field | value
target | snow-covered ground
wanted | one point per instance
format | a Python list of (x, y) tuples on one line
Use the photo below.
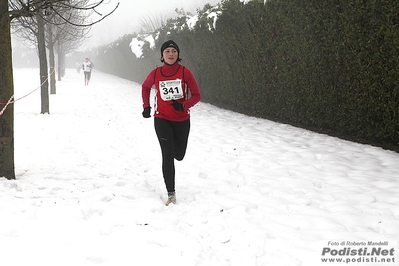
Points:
[(89, 189)]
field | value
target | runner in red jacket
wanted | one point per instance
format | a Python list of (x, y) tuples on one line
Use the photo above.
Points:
[(176, 91)]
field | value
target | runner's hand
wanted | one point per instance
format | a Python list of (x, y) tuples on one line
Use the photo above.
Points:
[(177, 105), (146, 112)]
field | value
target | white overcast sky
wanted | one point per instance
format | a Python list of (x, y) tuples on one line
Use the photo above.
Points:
[(126, 19)]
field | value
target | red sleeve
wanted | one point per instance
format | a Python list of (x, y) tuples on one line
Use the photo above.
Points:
[(193, 87), (146, 88)]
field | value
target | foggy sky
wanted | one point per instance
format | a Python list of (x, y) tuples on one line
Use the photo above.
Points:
[(126, 19)]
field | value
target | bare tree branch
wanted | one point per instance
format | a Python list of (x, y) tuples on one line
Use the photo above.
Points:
[(67, 20), (29, 8)]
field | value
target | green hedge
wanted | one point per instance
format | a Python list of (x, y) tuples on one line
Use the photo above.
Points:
[(331, 66)]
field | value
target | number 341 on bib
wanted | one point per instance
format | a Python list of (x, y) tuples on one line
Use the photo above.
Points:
[(171, 90)]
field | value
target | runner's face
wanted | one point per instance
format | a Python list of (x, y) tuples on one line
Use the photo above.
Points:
[(170, 55)]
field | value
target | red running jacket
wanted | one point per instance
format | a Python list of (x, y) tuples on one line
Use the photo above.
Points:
[(172, 82)]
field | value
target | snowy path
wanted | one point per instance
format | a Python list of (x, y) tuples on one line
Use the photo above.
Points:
[(89, 189)]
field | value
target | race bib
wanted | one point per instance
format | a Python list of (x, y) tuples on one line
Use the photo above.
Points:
[(171, 90)]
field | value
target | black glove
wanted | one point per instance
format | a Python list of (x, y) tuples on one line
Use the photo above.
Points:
[(146, 112), (177, 105)]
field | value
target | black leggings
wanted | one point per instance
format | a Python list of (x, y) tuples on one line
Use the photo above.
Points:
[(87, 75), (172, 137)]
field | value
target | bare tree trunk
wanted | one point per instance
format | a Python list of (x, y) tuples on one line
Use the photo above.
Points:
[(61, 61), (7, 168), (45, 103), (50, 47), (53, 89), (59, 51)]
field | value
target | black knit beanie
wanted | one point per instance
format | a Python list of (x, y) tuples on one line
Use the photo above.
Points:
[(168, 44)]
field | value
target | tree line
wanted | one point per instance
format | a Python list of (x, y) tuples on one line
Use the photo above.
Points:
[(50, 25)]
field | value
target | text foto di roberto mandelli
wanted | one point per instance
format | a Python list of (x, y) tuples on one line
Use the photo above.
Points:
[(358, 243)]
